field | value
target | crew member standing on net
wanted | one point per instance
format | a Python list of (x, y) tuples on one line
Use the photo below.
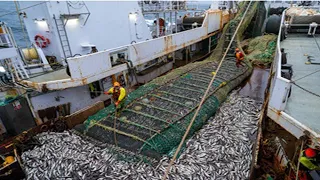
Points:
[(118, 97), (239, 57)]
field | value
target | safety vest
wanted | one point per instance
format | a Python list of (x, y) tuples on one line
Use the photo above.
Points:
[(115, 94), (308, 162)]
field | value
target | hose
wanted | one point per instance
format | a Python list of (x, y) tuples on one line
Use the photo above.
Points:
[(131, 69)]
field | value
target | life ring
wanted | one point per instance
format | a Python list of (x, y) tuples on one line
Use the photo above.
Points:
[(41, 41)]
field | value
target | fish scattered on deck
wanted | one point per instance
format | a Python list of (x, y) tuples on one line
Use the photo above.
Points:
[(222, 149)]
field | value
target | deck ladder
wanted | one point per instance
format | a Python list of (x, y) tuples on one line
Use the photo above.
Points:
[(63, 37)]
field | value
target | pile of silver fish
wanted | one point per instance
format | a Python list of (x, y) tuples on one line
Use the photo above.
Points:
[(222, 149)]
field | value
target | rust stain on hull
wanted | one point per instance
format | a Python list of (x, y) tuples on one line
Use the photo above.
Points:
[(84, 81), (169, 47)]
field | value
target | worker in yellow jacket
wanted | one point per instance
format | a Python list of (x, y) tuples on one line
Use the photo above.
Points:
[(118, 96), (309, 159)]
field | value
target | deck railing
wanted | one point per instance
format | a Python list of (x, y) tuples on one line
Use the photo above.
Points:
[(279, 91), (92, 67), (145, 51)]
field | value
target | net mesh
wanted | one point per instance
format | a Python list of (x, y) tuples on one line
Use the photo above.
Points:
[(261, 49), (157, 114)]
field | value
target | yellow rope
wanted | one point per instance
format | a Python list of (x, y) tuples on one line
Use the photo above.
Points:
[(203, 98), (123, 133), (114, 130)]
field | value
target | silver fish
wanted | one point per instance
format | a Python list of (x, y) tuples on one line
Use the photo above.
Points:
[(220, 150)]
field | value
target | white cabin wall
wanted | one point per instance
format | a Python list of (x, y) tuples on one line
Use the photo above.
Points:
[(108, 26), (33, 28), (214, 5), (79, 97)]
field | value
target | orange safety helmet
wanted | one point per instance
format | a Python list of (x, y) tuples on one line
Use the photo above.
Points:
[(310, 153), (116, 84), (237, 49), (8, 160)]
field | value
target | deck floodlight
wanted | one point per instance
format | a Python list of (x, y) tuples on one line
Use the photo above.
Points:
[(71, 19), (42, 23), (70, 16), (133, 16), (36, 20)]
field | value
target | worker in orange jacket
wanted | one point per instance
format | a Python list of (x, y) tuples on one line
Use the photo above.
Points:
[(239, 57), (118, 97)]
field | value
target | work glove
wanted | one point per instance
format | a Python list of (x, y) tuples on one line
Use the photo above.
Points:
[(117, 103)]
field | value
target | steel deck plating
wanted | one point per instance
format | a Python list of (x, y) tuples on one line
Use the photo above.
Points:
[(301, 105)]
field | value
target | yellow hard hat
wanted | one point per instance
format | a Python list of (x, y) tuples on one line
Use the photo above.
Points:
[(8, 160), (116, 84)]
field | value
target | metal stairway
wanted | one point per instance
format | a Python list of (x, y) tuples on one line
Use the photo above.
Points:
[(19, 70), (63, 37)]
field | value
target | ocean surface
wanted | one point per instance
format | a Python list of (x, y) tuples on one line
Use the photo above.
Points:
[(13, 21)]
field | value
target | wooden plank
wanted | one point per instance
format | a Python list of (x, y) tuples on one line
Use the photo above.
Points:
[(83, 114)]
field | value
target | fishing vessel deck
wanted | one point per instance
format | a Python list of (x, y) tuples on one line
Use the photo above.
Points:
[(303, 106), (297, 112)]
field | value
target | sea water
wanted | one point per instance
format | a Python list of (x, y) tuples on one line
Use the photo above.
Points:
[(13, 21)]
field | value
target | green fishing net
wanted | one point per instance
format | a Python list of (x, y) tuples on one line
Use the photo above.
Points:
[(157, 114), (261, 49)]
